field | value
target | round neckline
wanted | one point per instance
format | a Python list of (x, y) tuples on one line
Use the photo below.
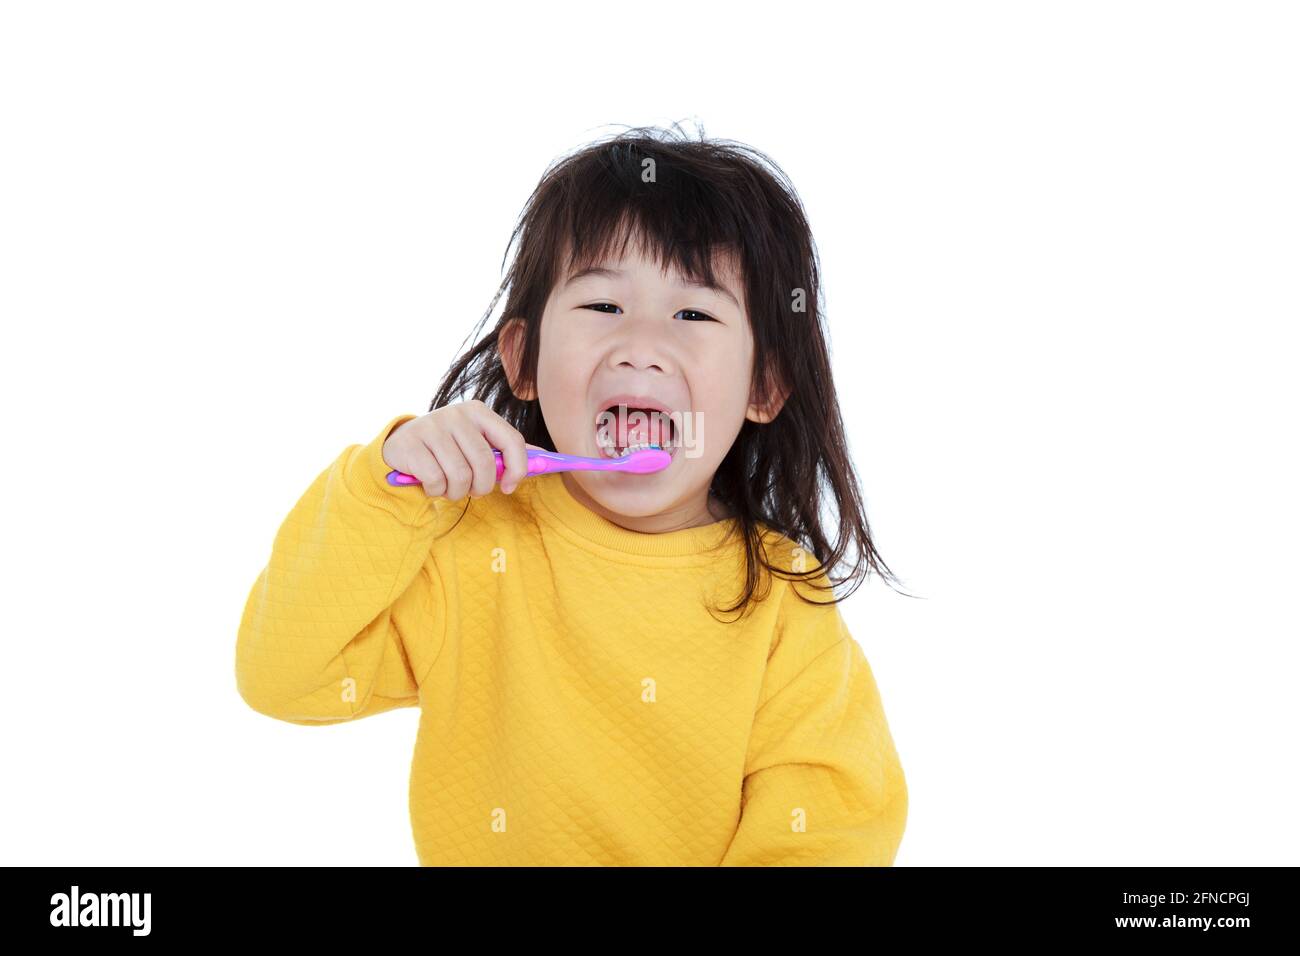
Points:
[(584, 526)]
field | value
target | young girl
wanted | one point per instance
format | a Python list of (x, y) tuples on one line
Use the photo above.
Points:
[(611, 668)]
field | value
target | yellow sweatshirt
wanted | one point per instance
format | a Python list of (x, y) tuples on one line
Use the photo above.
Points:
[(579, 705)]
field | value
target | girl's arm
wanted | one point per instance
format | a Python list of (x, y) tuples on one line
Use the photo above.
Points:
[(346, 617), (823, 783)]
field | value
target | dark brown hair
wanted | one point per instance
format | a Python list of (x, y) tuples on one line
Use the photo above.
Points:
[(704, 197)]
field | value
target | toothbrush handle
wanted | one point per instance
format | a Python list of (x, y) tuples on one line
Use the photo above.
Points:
[(539, 461)]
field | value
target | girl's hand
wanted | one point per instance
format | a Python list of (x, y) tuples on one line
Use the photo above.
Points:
[(450, 451)]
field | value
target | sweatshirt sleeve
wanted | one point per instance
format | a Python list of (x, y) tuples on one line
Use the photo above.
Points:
[(346, 618), (823, 784)]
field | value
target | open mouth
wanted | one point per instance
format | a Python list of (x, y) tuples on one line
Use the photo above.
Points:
[(621, 430)]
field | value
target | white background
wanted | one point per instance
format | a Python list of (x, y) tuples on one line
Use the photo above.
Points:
[(1060, 245)]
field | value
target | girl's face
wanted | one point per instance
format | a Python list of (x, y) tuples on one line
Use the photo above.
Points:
[(625, 333)]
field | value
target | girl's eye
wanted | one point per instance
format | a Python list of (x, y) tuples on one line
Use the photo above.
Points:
[(702, 316)]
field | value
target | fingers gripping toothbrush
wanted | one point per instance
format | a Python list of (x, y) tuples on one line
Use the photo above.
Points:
[(643, 461)]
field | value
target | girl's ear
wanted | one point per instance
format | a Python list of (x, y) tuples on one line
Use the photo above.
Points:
[(510, 348), (764, 408)]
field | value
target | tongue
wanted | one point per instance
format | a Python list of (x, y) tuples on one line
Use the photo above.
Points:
[(646, 427), (638, 427), (637, 433)]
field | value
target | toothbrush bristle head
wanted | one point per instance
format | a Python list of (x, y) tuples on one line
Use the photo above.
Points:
[(645, 461)]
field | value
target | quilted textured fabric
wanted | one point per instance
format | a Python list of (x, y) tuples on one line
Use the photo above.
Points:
[(580, 705)]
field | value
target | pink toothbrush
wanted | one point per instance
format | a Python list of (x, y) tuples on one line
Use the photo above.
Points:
[(643, 461)]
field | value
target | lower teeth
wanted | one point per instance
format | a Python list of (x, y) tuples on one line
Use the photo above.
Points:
[(614, 452)]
